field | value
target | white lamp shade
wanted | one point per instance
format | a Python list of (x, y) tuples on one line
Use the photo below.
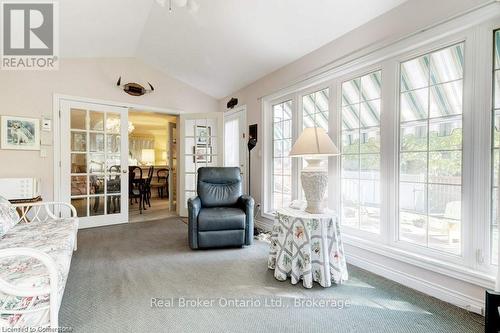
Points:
[(314, 142), (148, 156)]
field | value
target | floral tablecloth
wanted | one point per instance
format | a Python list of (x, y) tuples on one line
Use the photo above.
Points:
[(307, 247)]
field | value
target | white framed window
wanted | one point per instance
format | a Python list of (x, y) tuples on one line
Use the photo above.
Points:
[(315, 112), (495, 212), (360, 171), (430, 149), (431, 157), (306, 108)]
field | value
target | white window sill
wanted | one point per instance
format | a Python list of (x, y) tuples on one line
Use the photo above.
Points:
[(269, 216), (482, 279)]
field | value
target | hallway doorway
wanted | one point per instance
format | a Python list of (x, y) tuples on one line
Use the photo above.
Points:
[(152, 159)]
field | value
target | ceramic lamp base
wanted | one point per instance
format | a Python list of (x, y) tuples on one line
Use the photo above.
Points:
[(315, 183)]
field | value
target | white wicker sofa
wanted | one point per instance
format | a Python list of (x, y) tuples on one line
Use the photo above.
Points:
[(35, 256)]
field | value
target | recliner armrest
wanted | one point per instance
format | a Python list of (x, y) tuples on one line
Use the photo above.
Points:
[(194, 207), (247, 203)]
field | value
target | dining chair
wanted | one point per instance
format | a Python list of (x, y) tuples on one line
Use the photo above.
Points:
[(136, 186), (147, 186), (96, 187), (113, 186), (161, 182)]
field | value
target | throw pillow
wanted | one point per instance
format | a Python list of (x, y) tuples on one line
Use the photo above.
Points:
[(8, 216)]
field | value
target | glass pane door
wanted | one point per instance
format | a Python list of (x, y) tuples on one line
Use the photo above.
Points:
[(94, 168), (201, 142)]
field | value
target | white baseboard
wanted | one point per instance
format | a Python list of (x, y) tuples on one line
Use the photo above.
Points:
[(438, 291), (263, 225)]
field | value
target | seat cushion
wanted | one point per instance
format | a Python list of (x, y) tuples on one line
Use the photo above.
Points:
[(221, 238), (54, 237), (47, 236), (221, 218)]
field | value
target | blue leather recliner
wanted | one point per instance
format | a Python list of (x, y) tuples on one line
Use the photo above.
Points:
[(220, 216)]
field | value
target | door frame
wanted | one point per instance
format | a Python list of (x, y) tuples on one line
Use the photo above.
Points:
[(56, 129), (170, 144), (181, 152), (243, 147)]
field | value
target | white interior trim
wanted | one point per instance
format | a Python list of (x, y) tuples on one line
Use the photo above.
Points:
[(56, 133), (421, 284), (232, 112), (456, 271)]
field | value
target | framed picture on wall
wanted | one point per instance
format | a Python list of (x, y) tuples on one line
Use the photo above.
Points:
[(202, 154), (20, 133), (203, 134)]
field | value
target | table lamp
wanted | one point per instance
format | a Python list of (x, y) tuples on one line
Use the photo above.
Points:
[(314, 144), (148, 156)]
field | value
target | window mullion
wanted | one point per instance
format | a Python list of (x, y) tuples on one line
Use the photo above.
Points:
[(427, 185), (334, 125), (296, 122), (389, 152)]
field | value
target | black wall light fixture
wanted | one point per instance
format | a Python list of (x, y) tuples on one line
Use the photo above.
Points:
[(252, 142), (232, 103)]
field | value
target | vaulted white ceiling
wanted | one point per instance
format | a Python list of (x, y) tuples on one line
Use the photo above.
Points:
[(222, 47)]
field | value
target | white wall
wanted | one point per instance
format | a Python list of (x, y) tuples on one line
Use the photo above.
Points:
[(30, 94), (402, 21)]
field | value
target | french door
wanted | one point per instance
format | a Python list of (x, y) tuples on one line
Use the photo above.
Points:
[(94, 161), (201, 144)]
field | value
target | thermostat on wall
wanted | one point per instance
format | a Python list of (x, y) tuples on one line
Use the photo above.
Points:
[(46, 124)]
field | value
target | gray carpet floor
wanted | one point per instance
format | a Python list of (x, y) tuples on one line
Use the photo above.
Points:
[(117, 270)]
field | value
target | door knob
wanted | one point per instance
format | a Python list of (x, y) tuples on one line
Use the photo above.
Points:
[(124, 171)]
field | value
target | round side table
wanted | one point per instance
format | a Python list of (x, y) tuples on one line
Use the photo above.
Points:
[(307, 247)]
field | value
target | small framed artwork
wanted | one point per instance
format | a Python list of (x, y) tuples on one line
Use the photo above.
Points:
[(20, 133), (203, 134), (202, 154)]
